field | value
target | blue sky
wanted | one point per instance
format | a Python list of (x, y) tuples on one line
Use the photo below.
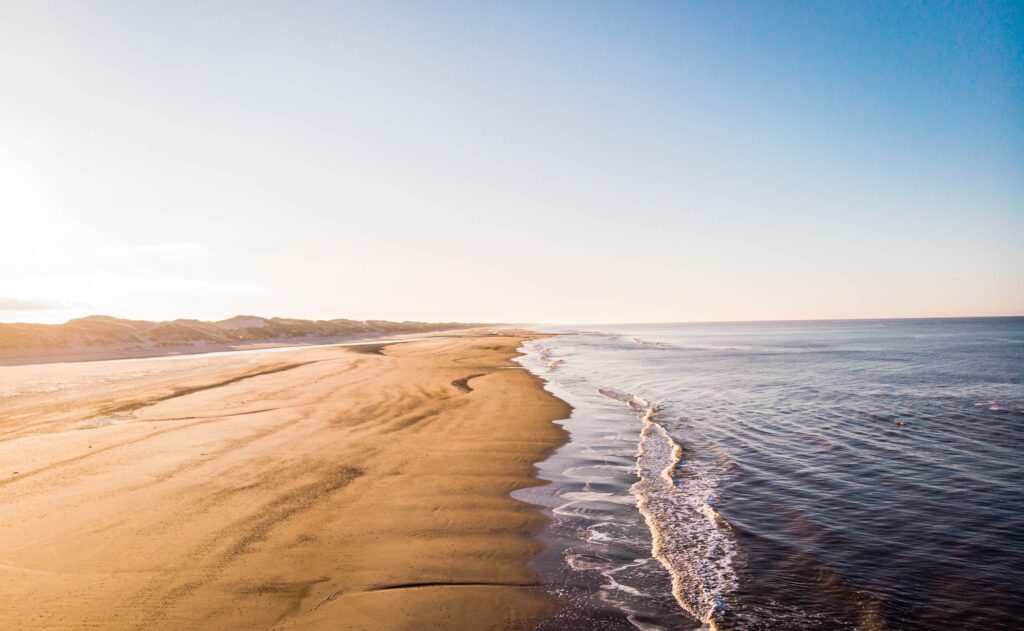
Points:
[(512, 162)]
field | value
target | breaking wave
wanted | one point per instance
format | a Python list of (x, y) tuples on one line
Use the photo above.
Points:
[(549, 361), (676, 496)]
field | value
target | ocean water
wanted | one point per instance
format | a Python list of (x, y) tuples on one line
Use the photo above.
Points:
[(792, 475)]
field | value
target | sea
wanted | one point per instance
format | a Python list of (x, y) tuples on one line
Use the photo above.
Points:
[(785, 475)]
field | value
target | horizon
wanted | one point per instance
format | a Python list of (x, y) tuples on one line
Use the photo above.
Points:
[(557, 164), (529, 324)]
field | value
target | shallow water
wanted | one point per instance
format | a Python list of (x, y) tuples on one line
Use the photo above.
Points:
[(812, 475)]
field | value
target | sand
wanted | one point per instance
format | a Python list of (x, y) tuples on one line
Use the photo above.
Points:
[(80, 353), (324, 488)]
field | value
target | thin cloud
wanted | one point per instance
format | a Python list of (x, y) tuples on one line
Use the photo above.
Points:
[(21, 304)]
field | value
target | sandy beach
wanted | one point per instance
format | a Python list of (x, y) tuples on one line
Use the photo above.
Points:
[(324, 488)]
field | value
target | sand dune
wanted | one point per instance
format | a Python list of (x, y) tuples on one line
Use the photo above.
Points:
[(322, 489), (104, 337)]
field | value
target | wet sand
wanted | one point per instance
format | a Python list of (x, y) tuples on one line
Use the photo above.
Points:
[(324, 488)]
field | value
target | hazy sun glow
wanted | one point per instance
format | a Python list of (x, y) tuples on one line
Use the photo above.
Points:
[(474, 163)]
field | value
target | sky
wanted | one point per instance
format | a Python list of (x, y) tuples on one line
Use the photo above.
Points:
[(511, 162)]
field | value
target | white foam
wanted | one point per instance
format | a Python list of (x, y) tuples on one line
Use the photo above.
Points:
[(544, 354), (689, 537), (593, 496)]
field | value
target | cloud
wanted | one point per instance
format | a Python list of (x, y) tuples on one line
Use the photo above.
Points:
[(21, 304)]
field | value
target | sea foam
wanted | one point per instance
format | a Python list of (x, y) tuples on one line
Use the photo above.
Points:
[(676, 496)]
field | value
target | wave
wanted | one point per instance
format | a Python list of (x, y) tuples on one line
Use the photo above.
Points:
[(544, 353), (676, 497)]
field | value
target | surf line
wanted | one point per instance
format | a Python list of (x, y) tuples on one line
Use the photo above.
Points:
[(698, 553)]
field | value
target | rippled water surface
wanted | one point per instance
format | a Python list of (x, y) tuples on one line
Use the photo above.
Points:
[(813, 475)]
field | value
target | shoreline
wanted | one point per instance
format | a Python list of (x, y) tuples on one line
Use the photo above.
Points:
[(325, 489), (599, 548)]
